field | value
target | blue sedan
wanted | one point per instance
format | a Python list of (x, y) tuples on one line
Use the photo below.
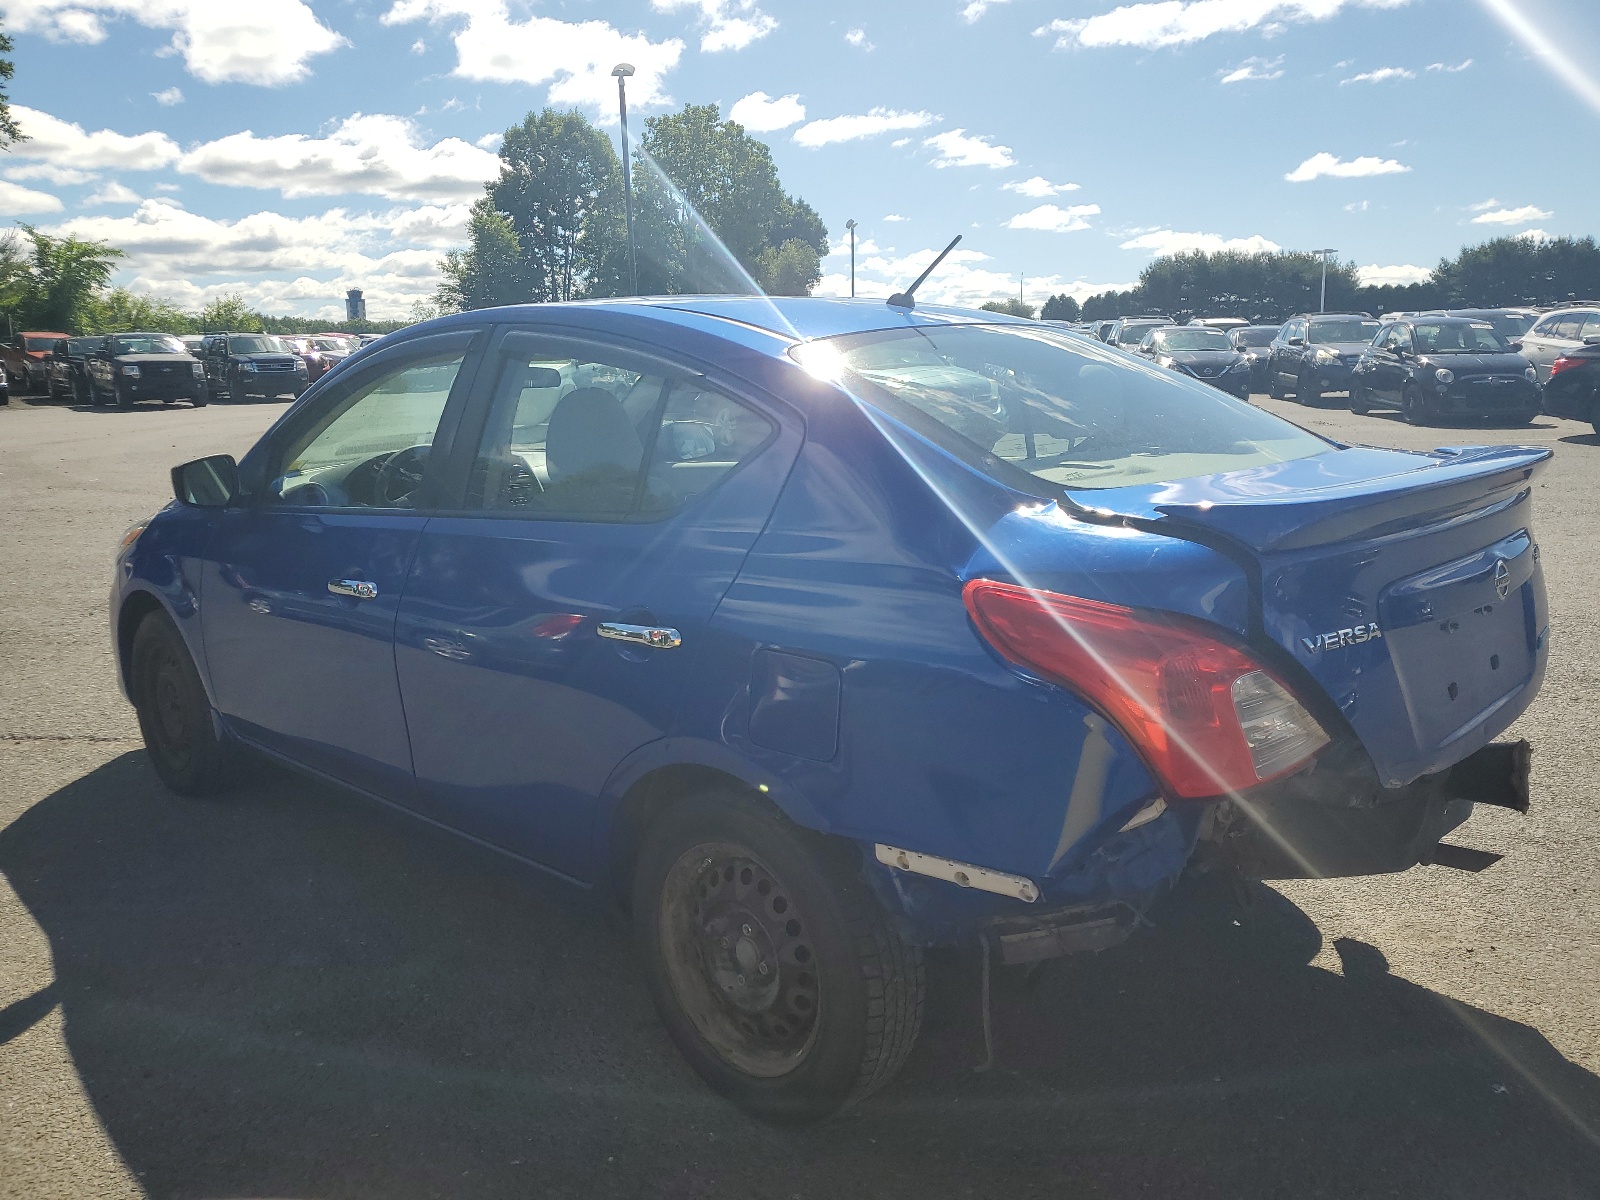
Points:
[(818, 632)]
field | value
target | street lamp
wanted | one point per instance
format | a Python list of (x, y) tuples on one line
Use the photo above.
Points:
[(622, 71), (851, 226), (1322, 305)]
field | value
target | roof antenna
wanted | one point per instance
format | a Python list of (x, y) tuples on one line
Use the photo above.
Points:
[(906, 299)]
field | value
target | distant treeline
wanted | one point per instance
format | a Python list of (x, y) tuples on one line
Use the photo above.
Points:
[(1506, 272)]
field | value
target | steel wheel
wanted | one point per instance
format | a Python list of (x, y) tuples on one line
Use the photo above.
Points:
[(174, 712), (739, 959), (724, 886)]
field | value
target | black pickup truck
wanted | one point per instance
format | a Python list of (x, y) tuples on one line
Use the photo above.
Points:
[(129, 367)]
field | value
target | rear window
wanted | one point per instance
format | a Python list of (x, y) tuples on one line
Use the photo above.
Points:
[(1342, 331), (1061, 408)]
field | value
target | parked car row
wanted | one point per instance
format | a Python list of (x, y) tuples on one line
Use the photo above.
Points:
[(126, 368), (1428, 365)]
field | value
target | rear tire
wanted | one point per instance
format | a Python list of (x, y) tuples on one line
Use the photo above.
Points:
[(175, 716), (1309, 396), (1358, 400), (200, 399), (723, 890), (1274, 384)]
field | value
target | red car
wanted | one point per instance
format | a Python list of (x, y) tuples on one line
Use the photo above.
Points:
[(321, 352), (26, 358)]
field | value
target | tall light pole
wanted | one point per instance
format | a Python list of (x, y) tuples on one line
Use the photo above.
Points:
[(1322, 304), (622, 71), (851, 226)]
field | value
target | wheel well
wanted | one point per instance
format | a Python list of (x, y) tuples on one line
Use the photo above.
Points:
[(654, 794), (134, 610)]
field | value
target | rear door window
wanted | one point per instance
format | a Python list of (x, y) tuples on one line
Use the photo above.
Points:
[(579, 437)]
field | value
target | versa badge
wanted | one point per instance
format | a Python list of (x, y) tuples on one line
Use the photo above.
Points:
[(1338, 639)]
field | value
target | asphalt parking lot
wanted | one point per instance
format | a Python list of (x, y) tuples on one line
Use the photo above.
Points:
[(294, 993)]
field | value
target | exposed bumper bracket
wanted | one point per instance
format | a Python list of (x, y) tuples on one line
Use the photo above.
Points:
[(1018, 887)]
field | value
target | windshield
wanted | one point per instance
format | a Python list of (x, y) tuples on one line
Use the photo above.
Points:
[(1133, 332), (1511, 325), (1195, 339), (1061, 408), (1342, 331), (147, 343), (342, 345), (1450, 338), (41, 343), (1256, 337), (255, 344)]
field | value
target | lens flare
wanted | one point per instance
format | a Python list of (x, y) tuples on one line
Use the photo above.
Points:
[(1563, 66)]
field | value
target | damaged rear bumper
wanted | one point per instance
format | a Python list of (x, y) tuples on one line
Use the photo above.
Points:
[(1336, 820)]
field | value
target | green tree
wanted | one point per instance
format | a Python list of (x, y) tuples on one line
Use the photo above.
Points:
[(490, 271), (10, 134), (1061, 308), (1012, 308), (1517, 270), (560, 187), (63, 279), (712, 210), (791, 269), (120, 310), (232, 314)]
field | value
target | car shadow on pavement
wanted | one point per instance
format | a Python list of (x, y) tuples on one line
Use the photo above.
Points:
[(296, 992), (1582, 439)]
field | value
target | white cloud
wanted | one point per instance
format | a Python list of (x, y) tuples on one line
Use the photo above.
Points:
[(1460, 66), (858, 39), (830, 130), (167, 97), (50, 173), (1357, 206), (419, 47), (65, 144), (1177, 22), (221, 41), (1483, 204), (1054, 219), (490, 142), (1381, 75), (976, 8), (374, 155), (956, 149), (574, 57), (730, 24), (1037, 188), (1168, 241), (1534, 235), (1324, 163), (1400, 275), (16, 200), (280, 263), (895, 217), (899, 142), (112, 192), (760, 113), (1527, 214), (1255, 69)]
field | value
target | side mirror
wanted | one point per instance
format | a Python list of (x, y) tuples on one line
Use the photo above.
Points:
[(1297, 341), (1516, 345), (207, 482)]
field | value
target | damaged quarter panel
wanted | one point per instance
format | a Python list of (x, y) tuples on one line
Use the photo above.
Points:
[(939, 745)]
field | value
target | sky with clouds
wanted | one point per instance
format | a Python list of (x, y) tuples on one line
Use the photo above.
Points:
[(289, 149)]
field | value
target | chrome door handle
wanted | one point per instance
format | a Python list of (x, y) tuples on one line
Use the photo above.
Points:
[(358, 589), (657, 637)]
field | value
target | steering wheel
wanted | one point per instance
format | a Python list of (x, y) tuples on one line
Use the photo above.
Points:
[(400, 477)]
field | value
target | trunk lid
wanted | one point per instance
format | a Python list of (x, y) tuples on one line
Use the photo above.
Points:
[(1406, 585)]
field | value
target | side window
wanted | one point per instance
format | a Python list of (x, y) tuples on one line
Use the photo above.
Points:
[(369, 445), (1566, 327), (580, 438), (1591, 326)]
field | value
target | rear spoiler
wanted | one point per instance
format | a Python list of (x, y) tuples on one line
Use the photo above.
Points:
[(1291, 505)]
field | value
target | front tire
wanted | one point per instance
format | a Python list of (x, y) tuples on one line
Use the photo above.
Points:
[(1275, 384), (1413, 406), (175, 714), (1359, 404), (1309, 396), (236, 392), (778, 976), (124, 398)]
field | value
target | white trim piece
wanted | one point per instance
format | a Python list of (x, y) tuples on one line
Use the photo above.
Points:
[(1018, 887)]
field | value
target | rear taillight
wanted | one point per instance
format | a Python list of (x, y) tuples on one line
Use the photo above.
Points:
[(1564, 364), (1206, 717)]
